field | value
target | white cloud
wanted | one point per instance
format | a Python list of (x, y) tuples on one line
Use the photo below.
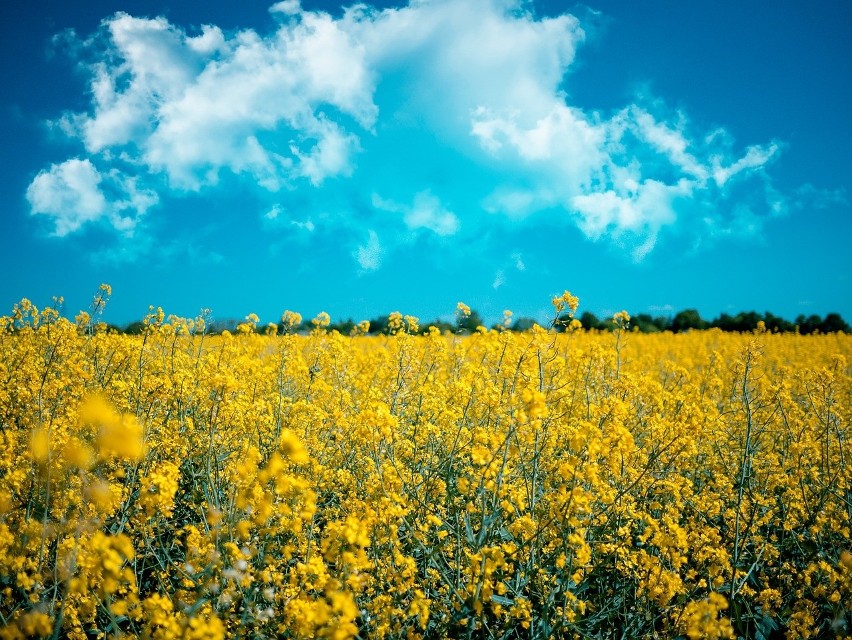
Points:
[(428, 213), (130, 201), (287, 7), (279, 217), (305, 225), (447, 108), (369, 255), (640, 214), (669, 141), (329, 157), (209, 42), (72, 194), (754, 158), (661, 308), (425, 212), (189, 107), (562, 135), (499, 280)]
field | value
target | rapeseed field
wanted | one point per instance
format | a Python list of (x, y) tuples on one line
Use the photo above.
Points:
[(494, 485)]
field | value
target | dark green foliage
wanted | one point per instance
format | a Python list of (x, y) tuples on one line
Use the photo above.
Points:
[(744, 321), (135, 328), (590, 321), (468, 324), (523, 324), (648, 324), (344, 327), (686, 320), (441, 325)]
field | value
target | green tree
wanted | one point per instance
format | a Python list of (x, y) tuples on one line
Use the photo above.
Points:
[(523, 324), (833, 322), (645, 323), (469, 323), (776, 323), (379, 324), (590, 321), (808, 324), (135, 328), (686, 320), (441, 325), (344, 327)]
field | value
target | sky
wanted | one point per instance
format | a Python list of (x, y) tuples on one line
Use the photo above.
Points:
[(254, 157)]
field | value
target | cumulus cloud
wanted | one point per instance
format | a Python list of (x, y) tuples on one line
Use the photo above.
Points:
[(189, 107), (70, 193), (442, 113), (287, 7), (73, 193)]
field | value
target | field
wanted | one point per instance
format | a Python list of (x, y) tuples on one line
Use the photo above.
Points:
[(496, 485)]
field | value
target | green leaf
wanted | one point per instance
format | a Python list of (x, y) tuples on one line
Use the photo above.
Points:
[(503, 600)]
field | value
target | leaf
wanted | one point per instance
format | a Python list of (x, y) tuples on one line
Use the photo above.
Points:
[(503, 600), (765, 626)]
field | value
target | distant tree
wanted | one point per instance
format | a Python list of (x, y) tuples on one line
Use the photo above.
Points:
[(606, 324), (725, 322), (749, 320), (441, 325), (563, 321), (777, 324), (523, 323), (808, 324), (469, 323), (645, 323), (224, 324), (743, 321), (833, 322), (590, 321), (686, 320), (379, 324), (663, 323), (746, 321), (344, 327), (135, 328)]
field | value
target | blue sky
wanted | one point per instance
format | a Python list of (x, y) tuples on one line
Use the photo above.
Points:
[(256, 157)]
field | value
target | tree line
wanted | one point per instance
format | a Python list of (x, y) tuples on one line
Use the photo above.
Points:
[(745, 321)]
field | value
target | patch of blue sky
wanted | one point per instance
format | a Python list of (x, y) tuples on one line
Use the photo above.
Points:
[(406, 156)]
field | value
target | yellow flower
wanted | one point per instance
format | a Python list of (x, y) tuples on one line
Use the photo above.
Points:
[(322, 320), (40, 444), (158, 488), (317, 486), (291, 447), (702, 619), (119, 436), (566, 300), (121, 439), (480, 455), (77, 454)]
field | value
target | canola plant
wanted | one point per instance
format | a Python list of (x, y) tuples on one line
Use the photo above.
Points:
[(498, 485)]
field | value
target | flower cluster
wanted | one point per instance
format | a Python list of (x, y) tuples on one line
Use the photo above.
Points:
[(542, 484)]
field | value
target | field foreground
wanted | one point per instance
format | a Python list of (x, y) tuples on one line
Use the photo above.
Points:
[(497, 485)]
